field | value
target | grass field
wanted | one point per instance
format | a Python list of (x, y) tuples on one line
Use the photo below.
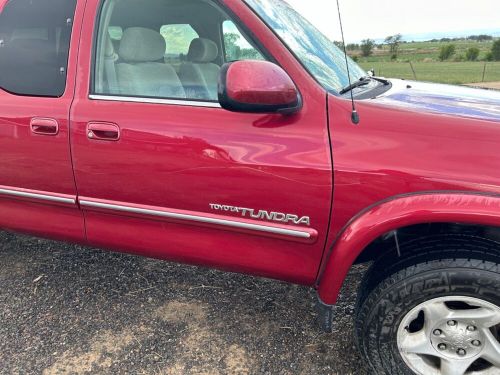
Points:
[(420, 61), (425, 51), (442, 72)]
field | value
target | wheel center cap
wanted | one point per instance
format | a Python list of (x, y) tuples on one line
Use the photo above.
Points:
[(457, 340)]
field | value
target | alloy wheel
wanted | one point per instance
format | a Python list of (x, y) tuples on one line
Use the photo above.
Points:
[(451, 336)]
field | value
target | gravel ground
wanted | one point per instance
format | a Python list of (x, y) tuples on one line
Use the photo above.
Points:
[(70, 309)]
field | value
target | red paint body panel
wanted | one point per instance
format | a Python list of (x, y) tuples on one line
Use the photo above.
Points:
[(396, 151), (397, 213), (186, 157), (34, 161), (212, 247), (56, 221)]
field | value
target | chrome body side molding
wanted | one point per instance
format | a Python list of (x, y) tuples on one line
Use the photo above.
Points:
[(292, 232), (36, 195), (295, 233)]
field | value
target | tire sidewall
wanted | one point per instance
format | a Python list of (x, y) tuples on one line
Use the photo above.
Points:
[(393, 299)]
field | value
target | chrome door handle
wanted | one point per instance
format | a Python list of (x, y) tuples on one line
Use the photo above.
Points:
[(44, 126)]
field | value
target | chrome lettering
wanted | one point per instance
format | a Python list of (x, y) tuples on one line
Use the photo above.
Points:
[(266, 215), (304, 220), (278, 216), (263, 214)]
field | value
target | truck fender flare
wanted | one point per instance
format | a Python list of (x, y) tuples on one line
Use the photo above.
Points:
[(397, 212)]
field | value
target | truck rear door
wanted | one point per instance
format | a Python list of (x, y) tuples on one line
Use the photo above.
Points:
[(37, 70)]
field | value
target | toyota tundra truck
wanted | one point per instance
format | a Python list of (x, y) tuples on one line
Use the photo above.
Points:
[(233, 134)]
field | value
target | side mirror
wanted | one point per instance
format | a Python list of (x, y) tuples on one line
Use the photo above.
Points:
[(257, 87)]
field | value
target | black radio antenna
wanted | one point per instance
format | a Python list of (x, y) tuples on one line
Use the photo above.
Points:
[(354, 115)]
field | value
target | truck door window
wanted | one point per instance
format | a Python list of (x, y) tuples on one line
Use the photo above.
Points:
[(167, 49), (236, 46), (178, 38), (34, 46)]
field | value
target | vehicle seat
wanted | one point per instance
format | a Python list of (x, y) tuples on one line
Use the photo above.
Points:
[(199, 74), (109, 66), (141, 73)]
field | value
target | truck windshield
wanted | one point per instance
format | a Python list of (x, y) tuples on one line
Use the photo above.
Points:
[(319, 55)]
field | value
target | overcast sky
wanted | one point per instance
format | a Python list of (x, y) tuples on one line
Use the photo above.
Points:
[(380, 18)]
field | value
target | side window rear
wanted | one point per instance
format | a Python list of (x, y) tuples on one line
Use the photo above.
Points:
[(236, 46), (34, 46), (178, 38)]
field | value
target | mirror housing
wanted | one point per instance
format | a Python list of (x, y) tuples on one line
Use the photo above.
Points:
[(257, 87)]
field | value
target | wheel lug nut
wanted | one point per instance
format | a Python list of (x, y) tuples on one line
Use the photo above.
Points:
[(437, 332), (476, 343), (442, 346), (461, 352), (452, 323), (471, 328)]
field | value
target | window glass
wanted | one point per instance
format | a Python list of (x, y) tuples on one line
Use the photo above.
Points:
[(319, 55), (163, 49), (115, 33), (34, 33), (34, 46), (236, 46), (178, 38)]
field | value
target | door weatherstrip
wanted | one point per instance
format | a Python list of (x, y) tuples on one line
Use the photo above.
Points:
[(198, 219)]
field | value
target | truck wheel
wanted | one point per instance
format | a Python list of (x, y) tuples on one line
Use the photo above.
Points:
[(435, 317)]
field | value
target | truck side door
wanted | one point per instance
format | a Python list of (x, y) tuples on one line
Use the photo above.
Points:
[(163, 171), (37, 70)]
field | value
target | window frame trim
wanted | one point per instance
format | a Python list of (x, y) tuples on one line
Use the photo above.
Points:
[(150, 100), (92, 95)]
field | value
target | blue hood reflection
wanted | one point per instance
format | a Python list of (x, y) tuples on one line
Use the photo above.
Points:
[(444, 99)]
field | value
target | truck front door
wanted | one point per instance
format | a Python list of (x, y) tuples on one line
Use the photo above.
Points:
[(163, 171)]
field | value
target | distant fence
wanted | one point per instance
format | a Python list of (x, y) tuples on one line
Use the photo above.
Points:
[(444, 72)]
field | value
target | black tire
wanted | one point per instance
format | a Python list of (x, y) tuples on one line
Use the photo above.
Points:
[(389, 293)]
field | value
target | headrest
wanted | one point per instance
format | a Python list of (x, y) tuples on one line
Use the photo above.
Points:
[(139, 44), (202, 50)]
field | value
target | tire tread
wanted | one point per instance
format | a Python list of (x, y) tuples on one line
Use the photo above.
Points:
[(465, 253)]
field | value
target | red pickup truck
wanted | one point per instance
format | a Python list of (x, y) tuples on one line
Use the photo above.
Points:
[(222, 133)]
